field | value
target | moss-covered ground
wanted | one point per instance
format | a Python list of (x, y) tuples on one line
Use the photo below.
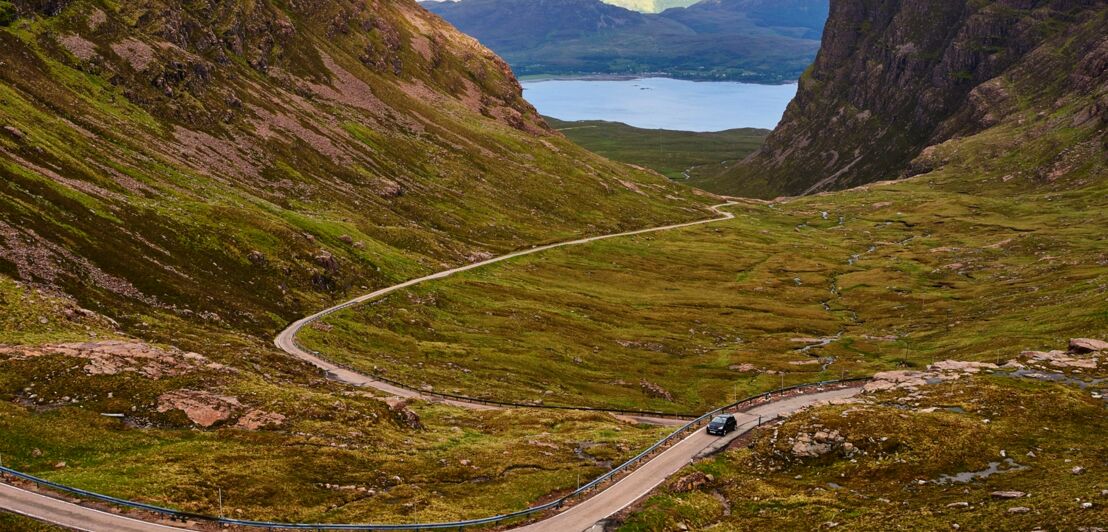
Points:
[(10, 521), (678, 155), (1045, 440), (339, 455), (967, 262), (200, 202)]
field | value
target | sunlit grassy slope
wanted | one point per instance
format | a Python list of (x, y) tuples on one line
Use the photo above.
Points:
[(971, 261), (336, 454), (674, 154), (1034, 434), (189, 178)]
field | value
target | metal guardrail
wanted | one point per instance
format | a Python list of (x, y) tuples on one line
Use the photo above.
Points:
[(557, 503)]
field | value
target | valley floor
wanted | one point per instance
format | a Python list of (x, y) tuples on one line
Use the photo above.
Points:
[(979, 260)]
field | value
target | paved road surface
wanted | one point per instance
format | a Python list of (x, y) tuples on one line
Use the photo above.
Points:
[(70, 515), (286, 341), (580, 517), (644, 479), (609, 501)]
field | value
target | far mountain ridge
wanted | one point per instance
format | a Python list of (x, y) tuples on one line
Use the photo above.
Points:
[(742, 40)]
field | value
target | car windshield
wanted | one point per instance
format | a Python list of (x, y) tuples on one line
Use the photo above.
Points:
[(721, 419)]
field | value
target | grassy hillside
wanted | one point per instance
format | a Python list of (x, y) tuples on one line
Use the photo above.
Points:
[(1043, 440), (973, 260), (140, 172), (220, 411), (179, 181), (674, 154)]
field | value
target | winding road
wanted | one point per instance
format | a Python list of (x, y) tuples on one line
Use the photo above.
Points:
[(584, 515), (643, 480), (286, 341)]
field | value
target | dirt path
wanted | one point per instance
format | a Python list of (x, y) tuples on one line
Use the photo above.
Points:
[(286, 341)]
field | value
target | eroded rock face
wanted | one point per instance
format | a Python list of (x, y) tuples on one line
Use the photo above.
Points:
[(403, 414), (117, 356), (893, 77), (655, 391), (1087, 345), (691, 482), (203, 408)]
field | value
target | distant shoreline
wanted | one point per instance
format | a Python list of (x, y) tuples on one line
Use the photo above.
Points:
[(535, 78)]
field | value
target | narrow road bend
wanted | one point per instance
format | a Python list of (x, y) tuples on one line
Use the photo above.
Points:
[(643, 480), (596, 508), (286, 340), (70, 515), (579, 517)]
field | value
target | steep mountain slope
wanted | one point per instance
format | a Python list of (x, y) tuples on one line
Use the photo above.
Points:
[(179, 180), (525, 24), (893, 78), (246, 161), (751, 40), (800, 18)]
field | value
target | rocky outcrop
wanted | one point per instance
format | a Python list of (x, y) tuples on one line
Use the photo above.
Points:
[(655, 391), (203, 408), (118, 356), (818, 444), (894, 77), (403, 414), (691, 482), (260, 419), (1087, 345)]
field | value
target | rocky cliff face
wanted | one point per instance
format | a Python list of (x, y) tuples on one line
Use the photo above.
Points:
[(246, 160), (894, 77)]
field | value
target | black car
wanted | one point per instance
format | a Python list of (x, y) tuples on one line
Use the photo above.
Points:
[(722, 424)]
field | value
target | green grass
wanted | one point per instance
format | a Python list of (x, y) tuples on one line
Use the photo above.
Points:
[(675, 154), (9, 521), (462, 464), (106, 205), (955, 264), (905, 442)]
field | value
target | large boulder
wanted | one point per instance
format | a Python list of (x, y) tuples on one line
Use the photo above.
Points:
[(691, 482), (1087, 345)]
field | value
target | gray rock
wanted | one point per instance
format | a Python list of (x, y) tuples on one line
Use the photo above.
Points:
[(1008, 494)]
